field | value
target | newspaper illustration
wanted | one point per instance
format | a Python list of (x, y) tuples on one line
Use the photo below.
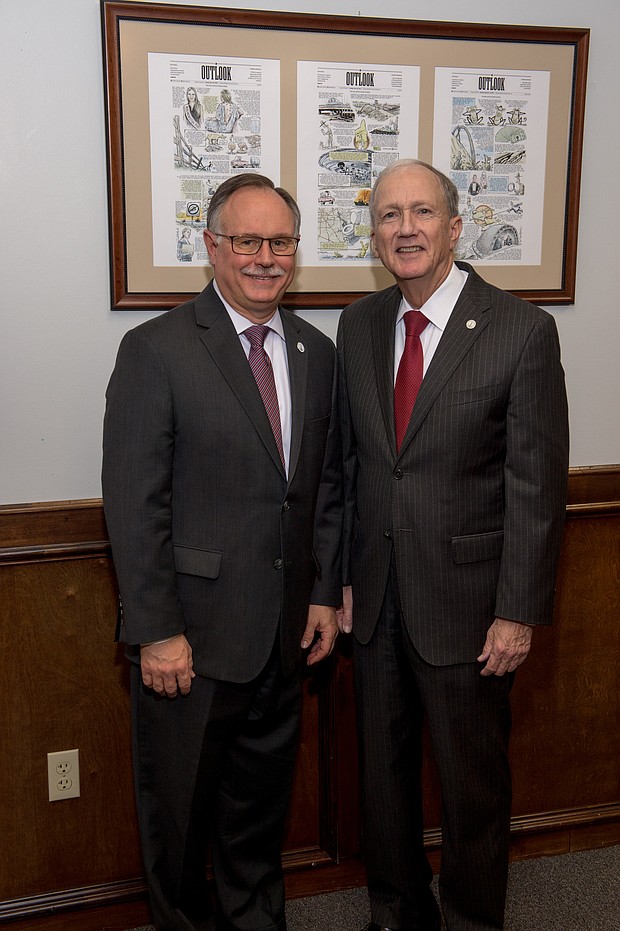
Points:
[(209, 119), (352, 121), (490, 137)]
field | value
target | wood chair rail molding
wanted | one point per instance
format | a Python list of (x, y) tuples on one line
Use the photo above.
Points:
[(62, 529)]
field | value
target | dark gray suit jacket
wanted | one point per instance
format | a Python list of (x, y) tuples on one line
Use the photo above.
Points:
[(473, 505), (208, 536)]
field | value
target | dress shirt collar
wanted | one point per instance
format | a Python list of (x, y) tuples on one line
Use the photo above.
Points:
[(440, 304), (241, 323)]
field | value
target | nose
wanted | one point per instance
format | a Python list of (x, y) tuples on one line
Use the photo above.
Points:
[(264, 256), (408, 225)]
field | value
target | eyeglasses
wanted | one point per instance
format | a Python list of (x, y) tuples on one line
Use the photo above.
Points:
[(250, 245)]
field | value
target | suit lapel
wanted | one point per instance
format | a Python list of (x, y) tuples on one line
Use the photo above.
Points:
[(467, 322), (383, 325), (298, 378), (222, 342)]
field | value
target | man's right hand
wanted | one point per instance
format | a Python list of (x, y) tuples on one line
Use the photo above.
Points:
[(167, 666)]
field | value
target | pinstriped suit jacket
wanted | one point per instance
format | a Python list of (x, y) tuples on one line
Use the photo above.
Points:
[(473, 504), (208, 536)]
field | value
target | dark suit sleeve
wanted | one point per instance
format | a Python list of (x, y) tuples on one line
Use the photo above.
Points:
[(535, 479), (327, 589), (138, 447)]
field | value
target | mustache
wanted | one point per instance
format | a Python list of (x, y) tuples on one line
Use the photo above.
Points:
[(252, 270)]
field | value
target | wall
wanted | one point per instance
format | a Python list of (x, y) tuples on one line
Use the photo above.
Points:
[(58, 338)]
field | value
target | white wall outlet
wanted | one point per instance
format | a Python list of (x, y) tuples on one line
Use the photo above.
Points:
[(63, 774)]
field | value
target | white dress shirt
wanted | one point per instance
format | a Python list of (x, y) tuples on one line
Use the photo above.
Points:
[(437, 309)]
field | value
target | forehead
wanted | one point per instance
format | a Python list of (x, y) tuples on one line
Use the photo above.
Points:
[(258, 210), (410, 183)]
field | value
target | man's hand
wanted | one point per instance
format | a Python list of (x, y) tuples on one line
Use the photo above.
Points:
[(323, 626), (167, 666), (505, 648), (345, 613)]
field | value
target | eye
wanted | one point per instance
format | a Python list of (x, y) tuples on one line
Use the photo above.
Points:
[(284, 245), (389, 215), (247, 242)]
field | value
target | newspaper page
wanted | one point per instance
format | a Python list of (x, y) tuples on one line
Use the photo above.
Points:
[(352, 121), (490, 137), (208, 120)]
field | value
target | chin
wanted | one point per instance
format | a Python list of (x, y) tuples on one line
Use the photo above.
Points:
[(409, 270), (267, 297)]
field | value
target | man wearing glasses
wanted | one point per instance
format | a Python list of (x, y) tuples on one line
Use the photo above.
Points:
[(222, 493)]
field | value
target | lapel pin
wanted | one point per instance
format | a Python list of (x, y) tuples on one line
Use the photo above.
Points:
[(301, 347), (470, 324)]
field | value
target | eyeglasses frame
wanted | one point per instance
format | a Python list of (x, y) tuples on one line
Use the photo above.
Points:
[(263, 239)]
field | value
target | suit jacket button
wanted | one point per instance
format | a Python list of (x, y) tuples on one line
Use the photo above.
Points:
[(277, 564), (285, 506), (398, 474), (387, 534)]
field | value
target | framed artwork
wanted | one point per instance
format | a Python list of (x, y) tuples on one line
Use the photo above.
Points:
[(321, 104)]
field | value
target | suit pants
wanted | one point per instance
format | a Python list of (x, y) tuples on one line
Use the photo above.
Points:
[(216, 765), (469, 720)]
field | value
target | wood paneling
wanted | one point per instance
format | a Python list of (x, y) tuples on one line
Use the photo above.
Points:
[(65, 686), (76, 864)]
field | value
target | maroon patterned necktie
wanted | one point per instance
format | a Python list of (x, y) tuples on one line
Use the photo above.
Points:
[(260, 363), (410, 373)]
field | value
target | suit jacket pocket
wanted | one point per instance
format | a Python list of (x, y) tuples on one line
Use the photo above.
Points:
[(472, 395), (190, 560), (476, 547)]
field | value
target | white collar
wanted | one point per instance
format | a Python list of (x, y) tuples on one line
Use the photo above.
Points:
[(440, 304), (241, 323)]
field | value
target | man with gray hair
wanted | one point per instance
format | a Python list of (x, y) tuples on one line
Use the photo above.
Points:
[(455, 440), (223, 499)]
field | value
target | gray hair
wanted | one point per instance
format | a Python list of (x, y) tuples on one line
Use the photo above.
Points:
[(237, 183), (448, 188)]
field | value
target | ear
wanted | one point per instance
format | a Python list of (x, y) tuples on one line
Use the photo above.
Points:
[(373, 248), (211, 244), (456, 228)]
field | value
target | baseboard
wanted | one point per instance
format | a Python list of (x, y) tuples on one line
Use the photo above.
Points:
[(307, 872)]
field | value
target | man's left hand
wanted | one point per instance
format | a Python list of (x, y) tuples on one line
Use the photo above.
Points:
[(320, 633), (505, 648)]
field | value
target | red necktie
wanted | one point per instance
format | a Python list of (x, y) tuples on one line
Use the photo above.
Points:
[(260, 363), (410, 373)]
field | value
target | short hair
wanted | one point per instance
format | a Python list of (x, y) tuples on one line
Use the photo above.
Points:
[(236, 183), (448, 188)]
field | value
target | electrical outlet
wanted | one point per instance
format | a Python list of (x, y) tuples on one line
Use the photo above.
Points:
[(63, 775)]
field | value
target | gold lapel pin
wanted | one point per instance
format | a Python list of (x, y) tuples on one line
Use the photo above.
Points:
[(301, 347), (470, 324)]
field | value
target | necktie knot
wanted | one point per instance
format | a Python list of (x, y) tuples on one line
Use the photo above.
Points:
[(415, 322), (256, 335)]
